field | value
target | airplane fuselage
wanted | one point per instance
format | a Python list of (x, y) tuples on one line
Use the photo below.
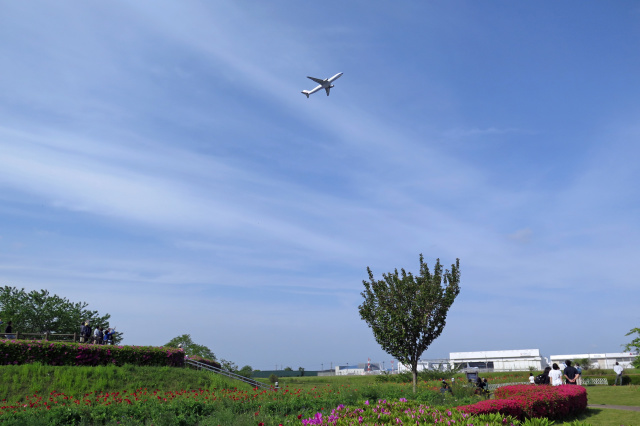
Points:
[(325, 84)]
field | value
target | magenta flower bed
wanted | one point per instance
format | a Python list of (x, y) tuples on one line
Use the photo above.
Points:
[(526, 401), (55, 353)]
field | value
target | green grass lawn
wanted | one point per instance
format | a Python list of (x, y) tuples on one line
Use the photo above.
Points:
[(19, 382), (614, 395)]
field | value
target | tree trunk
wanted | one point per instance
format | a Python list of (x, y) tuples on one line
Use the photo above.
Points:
[(414, 372)]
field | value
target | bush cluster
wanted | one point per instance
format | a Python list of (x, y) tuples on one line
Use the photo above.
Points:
[(427, 375), (527, 401), (205, 361), (14, 352)]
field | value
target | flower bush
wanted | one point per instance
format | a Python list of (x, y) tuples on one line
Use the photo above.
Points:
[(205, 361), (527, 401), (62, 353), (386, 413)]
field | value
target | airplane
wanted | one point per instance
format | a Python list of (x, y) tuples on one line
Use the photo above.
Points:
[(324, 84)]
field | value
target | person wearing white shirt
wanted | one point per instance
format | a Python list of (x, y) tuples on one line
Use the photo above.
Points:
[(618, 369), (555, 375)]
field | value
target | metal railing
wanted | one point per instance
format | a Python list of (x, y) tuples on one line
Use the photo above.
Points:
[(202, 366), (75, 337), (42, 336)]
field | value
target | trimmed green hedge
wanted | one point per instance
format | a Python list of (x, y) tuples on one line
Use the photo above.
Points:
[(13, 352)]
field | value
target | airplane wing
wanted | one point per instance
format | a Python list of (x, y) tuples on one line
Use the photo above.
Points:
[(317, 80)]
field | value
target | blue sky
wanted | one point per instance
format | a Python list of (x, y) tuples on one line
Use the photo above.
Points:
[(158, 161)]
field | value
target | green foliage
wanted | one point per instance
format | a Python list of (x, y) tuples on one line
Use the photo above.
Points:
[(41, 312), (14, 352), (426, 375), (190, 347), (18, 381), (584, 363), (273, 378), (246, 371), (408, 313), (634, 345), (229, 365)]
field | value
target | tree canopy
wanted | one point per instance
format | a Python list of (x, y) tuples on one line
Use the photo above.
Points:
[(190, 347), (406, 312), (634, 346), (41, 312)]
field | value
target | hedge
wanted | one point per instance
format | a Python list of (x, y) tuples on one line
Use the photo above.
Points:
[(204, 361), (61, 353), (527, 401)]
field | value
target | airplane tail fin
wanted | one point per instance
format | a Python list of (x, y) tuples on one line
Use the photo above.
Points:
[(305, 92)]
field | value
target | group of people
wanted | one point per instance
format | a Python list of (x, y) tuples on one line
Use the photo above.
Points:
[(99, 336), (555, 377), (482, 386)]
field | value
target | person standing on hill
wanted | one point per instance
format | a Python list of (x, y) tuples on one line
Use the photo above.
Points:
[(555, 375), (618, 370), (571, 374), (86, 333), (9, 332), (97, 336), (532, 379)]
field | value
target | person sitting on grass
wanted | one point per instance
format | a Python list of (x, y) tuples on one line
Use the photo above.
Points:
[(445, 388), (479, 386)]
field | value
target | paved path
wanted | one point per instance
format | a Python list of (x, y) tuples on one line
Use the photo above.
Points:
[(616, 407)]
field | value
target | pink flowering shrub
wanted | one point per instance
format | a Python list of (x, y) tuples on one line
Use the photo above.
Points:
[(62, 353), (205, 361), (526, 401)]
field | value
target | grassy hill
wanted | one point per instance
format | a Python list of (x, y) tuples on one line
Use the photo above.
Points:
[(21, 380)]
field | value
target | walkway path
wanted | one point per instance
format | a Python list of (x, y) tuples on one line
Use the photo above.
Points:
[(616, 407)]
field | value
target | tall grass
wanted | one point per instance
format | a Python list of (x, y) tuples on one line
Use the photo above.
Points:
[(19, 381)]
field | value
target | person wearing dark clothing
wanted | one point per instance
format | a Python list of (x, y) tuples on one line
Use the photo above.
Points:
[(9, 331), (545, 376), (571, 374), (479, 386), (445, 388), (85, 336)]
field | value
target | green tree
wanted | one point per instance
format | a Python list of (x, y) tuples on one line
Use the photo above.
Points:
[(634, 346), (584, 363), (246, 371), (229, 365), (301, 370), (190, 347), (41, 312), (407, 313)]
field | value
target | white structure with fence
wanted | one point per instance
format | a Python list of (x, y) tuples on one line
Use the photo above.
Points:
[(600, 360), (508, 360)]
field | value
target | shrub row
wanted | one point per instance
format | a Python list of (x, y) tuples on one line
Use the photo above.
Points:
[(527, 401), (60, 353), (205, 361)]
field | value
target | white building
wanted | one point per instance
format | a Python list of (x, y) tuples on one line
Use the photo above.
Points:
[(428, 364), (509, 360), (359, 369), (601, 360)]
